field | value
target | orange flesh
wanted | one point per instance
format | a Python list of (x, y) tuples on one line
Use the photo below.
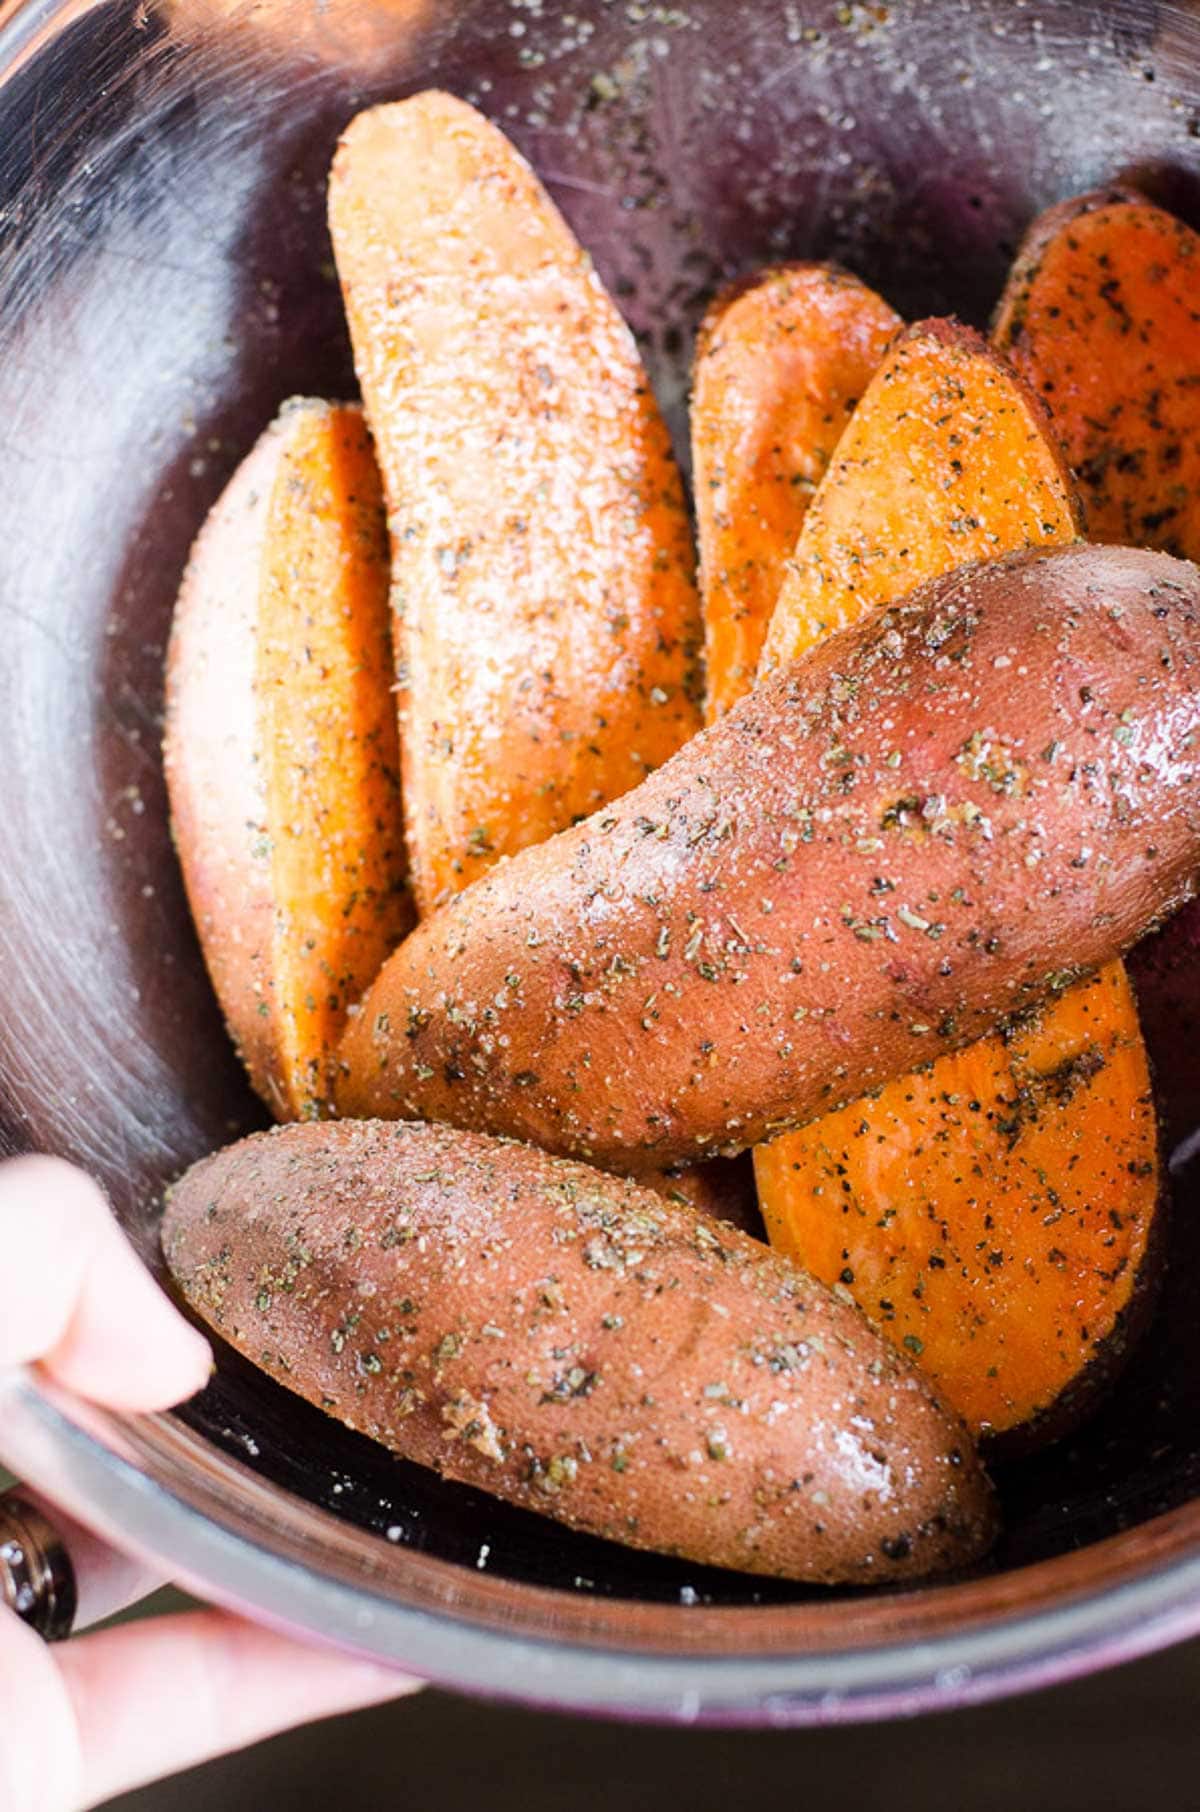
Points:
[(991, 1213), (945, 462), (1102, 316), (328, 736), (546, 621), (779, 367)]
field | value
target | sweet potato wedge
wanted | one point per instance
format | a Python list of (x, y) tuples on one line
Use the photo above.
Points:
[(280, 747), (575, 1344), (546, 620), (1100, 315), (781, 360), (926, 1140), (946, 461), (992, 1217), (829, 886)]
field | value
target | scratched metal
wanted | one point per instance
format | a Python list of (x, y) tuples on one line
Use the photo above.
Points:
[(165, 282)]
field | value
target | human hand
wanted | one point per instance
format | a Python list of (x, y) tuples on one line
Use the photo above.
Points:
[(94, 1716)]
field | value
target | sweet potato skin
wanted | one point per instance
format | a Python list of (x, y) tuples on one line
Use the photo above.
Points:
[(781, 359), (943, 420), (995, 1219), (280, 747), (578, 1346), (728, 951), (546, 624)]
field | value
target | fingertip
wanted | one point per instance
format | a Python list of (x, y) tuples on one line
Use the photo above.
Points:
[(52, 1217), (191, 1373), (163, 1361), (52, 1181), (161, 1380), (370, 1683), (79, 1302)]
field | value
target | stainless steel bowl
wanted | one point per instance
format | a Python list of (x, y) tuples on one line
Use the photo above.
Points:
[(165, 282)]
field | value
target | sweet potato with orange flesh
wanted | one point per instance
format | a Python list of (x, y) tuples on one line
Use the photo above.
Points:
[(880, 853), (546, 620), (992, 1213), (781, 360), (573, 1343), (947, 460), (1101, 315), (281, 751), (939, 1154)]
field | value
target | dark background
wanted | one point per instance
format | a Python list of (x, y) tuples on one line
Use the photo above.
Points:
[(1124, 1741)]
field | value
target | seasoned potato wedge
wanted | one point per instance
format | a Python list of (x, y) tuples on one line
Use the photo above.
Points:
[(1099, 315), (545, 613), (281, 748), (997, 1220), (731, 948), (947, 460), (920, 1198), (781, 360), (575, 1344)]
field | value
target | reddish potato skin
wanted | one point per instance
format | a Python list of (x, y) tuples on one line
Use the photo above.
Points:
[(575, 1344), (728, 950)]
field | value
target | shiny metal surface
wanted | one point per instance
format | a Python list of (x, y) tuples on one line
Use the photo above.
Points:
[(37, 1579), (166, 282), (156, 1486)]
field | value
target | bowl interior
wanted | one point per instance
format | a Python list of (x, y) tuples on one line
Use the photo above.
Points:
[(166, 283)]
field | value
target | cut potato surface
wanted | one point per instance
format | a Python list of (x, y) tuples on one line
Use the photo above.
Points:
[(993, 1212), (928, 824), (579, 1346), (1101, 314), (992, 485), (281, 751), (946, 461), (545, 613), (781, 360)]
